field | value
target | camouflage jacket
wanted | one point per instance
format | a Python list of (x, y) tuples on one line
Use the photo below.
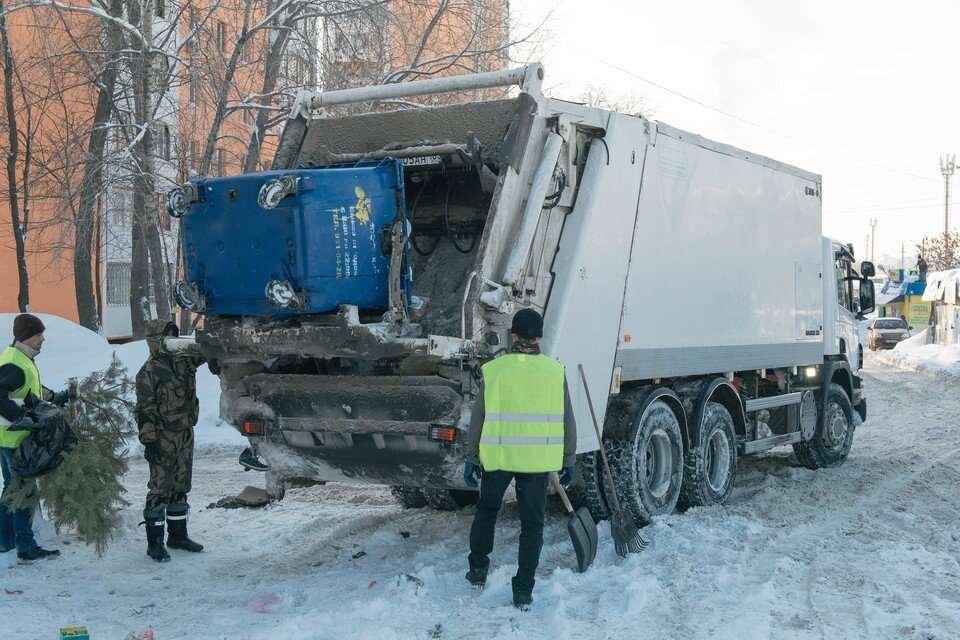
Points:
[(166, 388)]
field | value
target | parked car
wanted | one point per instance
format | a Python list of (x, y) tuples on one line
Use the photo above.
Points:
[(885, 333)]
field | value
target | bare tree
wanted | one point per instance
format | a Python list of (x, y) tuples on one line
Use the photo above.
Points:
[(941, 252), (19, 222), (600, 95)]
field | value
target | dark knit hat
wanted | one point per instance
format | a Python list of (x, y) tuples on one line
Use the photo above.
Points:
[(527, 324), (25, 326)]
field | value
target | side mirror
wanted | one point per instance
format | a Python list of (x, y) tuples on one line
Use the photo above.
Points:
[(909, 328), (867, 269), (867, 298)]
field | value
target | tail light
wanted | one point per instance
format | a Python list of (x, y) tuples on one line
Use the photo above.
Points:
[(443, 434), (252, 428)]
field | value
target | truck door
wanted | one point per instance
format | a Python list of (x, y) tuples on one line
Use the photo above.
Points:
[(847, 298)]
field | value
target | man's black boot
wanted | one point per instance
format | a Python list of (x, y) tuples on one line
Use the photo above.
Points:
[(477, 578), (177, 523), (154, 523), (37, 553), (522, 596)]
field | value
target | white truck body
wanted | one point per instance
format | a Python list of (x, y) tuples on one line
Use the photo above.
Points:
[(688, 278)]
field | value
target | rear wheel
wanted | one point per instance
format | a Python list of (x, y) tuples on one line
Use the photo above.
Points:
[(711, 464), (648, 469), (589, 491), (833, 438)]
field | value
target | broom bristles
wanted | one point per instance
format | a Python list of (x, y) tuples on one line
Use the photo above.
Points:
[(626, 538)]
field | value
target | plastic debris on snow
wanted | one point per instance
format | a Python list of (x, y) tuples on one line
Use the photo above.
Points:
[(146, 634), (263, 603)]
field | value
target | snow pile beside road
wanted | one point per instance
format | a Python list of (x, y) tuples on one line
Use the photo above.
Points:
[(914, 354), (71, 351)]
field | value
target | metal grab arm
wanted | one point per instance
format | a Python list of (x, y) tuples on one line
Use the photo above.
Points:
[(529, 78)]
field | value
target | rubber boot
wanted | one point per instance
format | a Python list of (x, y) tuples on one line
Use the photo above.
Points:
[(154, 523), (177, 523)]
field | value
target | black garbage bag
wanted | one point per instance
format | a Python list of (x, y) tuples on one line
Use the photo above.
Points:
[(50, 438)]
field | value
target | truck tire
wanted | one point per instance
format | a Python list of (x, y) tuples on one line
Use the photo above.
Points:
[(831, 441), (648, 470), (450, 499), (409, 497), (589, 491), (709, 468)]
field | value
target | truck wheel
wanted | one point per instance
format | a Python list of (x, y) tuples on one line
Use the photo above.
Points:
[(409, 497), (589, 491), (710, 466), (648, 470), (831, 441), (450, 499)]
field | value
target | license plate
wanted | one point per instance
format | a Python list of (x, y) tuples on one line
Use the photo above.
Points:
[(422, 161)]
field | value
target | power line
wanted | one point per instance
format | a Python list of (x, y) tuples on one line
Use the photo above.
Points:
[(871, 207), (745, 121), (872, 210), (795, 72)]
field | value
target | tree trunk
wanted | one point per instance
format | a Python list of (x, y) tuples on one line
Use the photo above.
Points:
[(143, 200), (19, 226), (84, 276), (271, 74)]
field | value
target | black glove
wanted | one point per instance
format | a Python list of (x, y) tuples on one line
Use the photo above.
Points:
[(566, 477), (63, 397), (472, 474), (152, 452), (25, 422)]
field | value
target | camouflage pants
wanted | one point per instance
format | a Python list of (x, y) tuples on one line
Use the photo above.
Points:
[(170, 477)]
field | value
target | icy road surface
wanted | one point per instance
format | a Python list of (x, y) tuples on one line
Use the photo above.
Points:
[(869, 550)]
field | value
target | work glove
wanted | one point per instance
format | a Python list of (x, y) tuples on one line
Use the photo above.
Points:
[(152, 452), (566, 477), (63, 397), (25, 422), (472, 474)]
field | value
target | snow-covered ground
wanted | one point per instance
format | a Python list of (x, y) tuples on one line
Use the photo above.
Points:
[(869, 550), (914, 354)]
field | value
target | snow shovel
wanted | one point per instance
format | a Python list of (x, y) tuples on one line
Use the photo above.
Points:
[(626, 536), (580, 526)]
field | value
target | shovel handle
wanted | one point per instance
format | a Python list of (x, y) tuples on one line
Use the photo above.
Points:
[(555, 481), (603, 453)]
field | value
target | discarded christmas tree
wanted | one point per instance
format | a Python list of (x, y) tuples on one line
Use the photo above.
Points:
[(85, 493)]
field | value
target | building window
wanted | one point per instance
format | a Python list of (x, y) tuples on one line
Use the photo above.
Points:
[(163, 218), (193, 156), (166, 142), (160, 8), (118, 284), (221, 37), (192, 82), (195, 40)]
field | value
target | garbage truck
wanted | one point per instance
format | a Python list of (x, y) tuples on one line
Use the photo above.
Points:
[(351, 294)]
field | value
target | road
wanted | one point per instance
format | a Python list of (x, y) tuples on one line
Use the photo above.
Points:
[(868, 550)]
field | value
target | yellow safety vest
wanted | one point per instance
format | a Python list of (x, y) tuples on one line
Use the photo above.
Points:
[(523, 423), (12, 355)]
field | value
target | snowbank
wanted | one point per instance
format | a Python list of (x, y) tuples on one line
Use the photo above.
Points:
[(71, 351), (914, 354)]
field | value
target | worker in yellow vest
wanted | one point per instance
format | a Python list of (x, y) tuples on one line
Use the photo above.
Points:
[(19, 377), (521, 428)]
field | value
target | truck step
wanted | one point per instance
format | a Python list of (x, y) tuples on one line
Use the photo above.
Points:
[(774, 401), (771, 442)]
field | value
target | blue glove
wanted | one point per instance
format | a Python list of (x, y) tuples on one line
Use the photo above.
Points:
[(566, 477), (472, 474)]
